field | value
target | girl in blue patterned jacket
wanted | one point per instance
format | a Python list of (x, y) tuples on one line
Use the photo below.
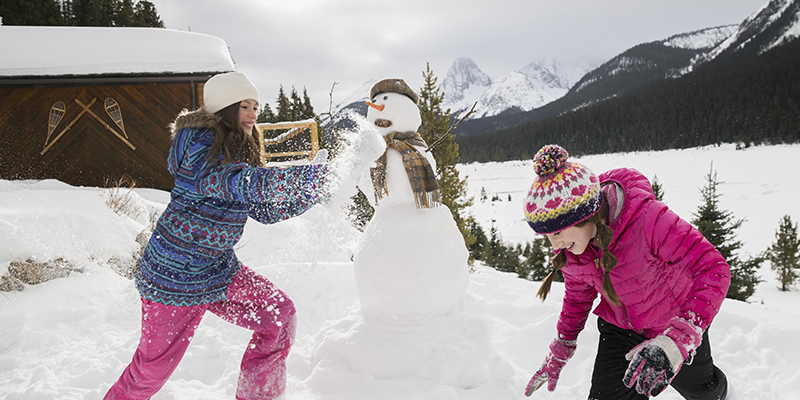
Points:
[(189, 266)]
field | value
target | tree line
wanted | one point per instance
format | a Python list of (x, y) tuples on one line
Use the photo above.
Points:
[(748, 100), (120, 13), (288, 108)]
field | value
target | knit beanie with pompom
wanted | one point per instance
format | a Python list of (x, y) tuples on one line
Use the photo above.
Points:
[(563, 194)]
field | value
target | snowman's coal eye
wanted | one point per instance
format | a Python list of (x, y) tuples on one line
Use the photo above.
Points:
[(385, 97)]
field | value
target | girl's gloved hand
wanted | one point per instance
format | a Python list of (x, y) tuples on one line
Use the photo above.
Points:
[(655, 362), (652, 366), (560, 352)]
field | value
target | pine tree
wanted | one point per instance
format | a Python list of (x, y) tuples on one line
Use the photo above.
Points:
[(307, 109), (297, 105), (536, 265), (146, 15), (124, 15), (284, 107), (85, 13), (744, 278), (105, 11), (501, 257), (435, 123), (308, 113), (31, 12), (658, 189), (477, 248), (67, 12), (266, 115), (719, 227), (784, 254)]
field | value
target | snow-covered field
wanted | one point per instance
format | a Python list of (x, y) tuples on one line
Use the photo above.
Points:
[(70, 338)]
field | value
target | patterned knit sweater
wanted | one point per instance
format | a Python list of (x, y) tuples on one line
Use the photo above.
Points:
[(189, 259)]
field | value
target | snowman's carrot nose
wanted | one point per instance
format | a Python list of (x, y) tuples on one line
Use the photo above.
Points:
[(377, 107)]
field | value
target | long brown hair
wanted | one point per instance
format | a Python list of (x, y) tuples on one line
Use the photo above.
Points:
[(602, 239), (231, 143)]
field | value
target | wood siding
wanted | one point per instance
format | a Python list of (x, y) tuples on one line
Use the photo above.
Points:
[(88, 154)]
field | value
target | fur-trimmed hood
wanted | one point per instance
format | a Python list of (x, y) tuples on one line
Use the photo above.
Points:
[(199, 118)]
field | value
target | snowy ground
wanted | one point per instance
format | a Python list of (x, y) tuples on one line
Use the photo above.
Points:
[(70, 338)]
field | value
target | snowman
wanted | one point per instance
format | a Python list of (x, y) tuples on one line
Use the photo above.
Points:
[(411, 263)]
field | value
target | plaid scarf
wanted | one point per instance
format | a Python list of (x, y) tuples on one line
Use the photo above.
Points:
[(419, 170)]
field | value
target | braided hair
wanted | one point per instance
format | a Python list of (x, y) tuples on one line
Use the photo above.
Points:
[(602, 239)]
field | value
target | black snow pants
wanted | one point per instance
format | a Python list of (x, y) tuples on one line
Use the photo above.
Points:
[(700, 380)]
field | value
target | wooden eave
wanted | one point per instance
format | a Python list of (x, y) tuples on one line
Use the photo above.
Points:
[(101, 79)]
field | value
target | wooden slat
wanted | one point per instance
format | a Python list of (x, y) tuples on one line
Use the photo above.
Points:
[(89, 153)]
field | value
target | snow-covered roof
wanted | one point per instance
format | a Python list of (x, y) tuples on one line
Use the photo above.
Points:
[(81, 51)]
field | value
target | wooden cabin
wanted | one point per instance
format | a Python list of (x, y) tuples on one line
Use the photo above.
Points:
[(89, 106)]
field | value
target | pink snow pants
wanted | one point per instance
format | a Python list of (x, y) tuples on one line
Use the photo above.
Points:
[(253, 302)]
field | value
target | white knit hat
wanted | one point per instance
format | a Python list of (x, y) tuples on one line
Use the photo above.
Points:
[(225, 89)]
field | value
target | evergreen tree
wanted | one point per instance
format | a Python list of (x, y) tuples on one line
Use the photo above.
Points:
[(307, 109), (284, 107), (308, 113), (536, 264), (658, 190), (124, 15), (146, 15), (477, 248), (435, 123), (719, 227), (86, 13), (31, 12), (744, 278), (297, 105), (784, 254), (499, 256), (490, 250), (67, 12), (107, 13), (266, 115)]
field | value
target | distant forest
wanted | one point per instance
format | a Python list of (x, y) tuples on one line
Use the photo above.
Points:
[(748, 100)]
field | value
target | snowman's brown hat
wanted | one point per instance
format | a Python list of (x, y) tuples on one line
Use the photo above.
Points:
[(395, 85)]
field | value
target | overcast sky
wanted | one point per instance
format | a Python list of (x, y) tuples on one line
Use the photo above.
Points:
[(313, 43)]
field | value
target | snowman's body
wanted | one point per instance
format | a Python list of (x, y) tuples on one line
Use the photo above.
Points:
[(411, 263)]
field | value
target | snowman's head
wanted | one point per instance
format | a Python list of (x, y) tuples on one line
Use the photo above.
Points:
[(393, 107)]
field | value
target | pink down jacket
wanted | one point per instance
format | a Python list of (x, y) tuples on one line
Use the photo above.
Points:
[(666, 269)]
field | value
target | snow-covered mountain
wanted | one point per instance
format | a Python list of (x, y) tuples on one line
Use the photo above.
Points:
[(649, 62), (464, 84), (637, 67), (776, 23), (548, 88), (533, 86)]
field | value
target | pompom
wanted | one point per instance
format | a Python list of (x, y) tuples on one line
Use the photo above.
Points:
[(549, 159)]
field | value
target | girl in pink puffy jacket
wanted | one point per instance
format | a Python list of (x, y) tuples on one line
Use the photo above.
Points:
[(660, 282)]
